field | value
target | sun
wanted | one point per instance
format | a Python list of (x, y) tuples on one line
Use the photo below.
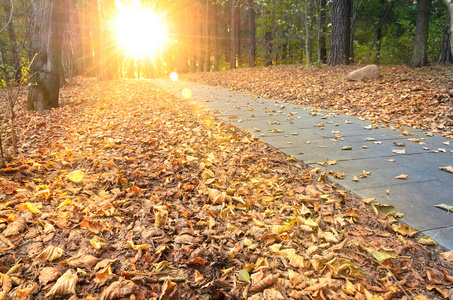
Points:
[(139, 32)]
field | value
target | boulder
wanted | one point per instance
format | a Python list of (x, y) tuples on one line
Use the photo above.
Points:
[(368, 72)]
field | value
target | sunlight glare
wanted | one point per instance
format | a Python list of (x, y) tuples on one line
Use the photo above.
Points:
[(186, 93), (140, 32), (174, 76)]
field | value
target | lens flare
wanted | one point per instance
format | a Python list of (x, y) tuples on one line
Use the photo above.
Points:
[(186, 93), (174, 76)]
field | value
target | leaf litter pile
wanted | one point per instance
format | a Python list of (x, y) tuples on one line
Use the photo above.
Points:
[(127, 192), (409, 97)]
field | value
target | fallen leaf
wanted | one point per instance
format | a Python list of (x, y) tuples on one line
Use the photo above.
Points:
[(382, 254), (51, 253), (48, 274), (427, 240), (76, 176), (404, 229), (402, 151), (65, 285), (448, 256), (445, 206), (448, 169), (383, 210), (83, 260), (402, 176), (118, 289)]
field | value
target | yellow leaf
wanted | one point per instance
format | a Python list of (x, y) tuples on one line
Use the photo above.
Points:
[(427, 240), (98, 242), (402, 176), (105, 274), (32, 208), (382, 254), (130, 244), (404, 229), (355, 178), (75, 176), (368, 200)]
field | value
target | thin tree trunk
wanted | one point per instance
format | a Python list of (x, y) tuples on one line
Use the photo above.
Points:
[(308, 50), (377, 29), (445, 51), (322, 44), (252, 34), (233, 35), (208, 38), (216, 37), (268, 38)]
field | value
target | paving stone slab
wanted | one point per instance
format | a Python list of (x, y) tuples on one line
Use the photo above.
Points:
[(442, 235), (416, 200)]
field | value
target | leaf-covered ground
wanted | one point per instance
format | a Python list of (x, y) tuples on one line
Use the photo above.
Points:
[(126, 192), (411, 97)]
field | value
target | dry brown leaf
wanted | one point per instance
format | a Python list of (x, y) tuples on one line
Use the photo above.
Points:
[(83, 260), (15, 227), (216, 196), (448, 256), (24, 293), (51, 253), (65, 285), (264, 283), (402, 176), (167, 289), (48, 274), (117, 289)]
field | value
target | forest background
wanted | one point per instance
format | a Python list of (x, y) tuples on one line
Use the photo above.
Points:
[(208, 35)]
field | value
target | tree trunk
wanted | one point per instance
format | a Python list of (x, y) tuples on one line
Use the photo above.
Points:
[(252, 34), (449, 4), (45, 43), (322, 43), (216, 37), (233, 35), (307, 21), (208, 38), (445, 51), (419, 51), (268, 38), (341, 32)]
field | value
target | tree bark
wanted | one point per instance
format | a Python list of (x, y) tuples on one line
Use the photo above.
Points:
[(208, 38), (307, 21), (252, 34), (322, 43), (449, 4), (233, 35), (445, 51), (268, 38), (419, 56), (341, 32), (216, 37), (45, 43)]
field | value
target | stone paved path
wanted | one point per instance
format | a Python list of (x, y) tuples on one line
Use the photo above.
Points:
[(314, 136)]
